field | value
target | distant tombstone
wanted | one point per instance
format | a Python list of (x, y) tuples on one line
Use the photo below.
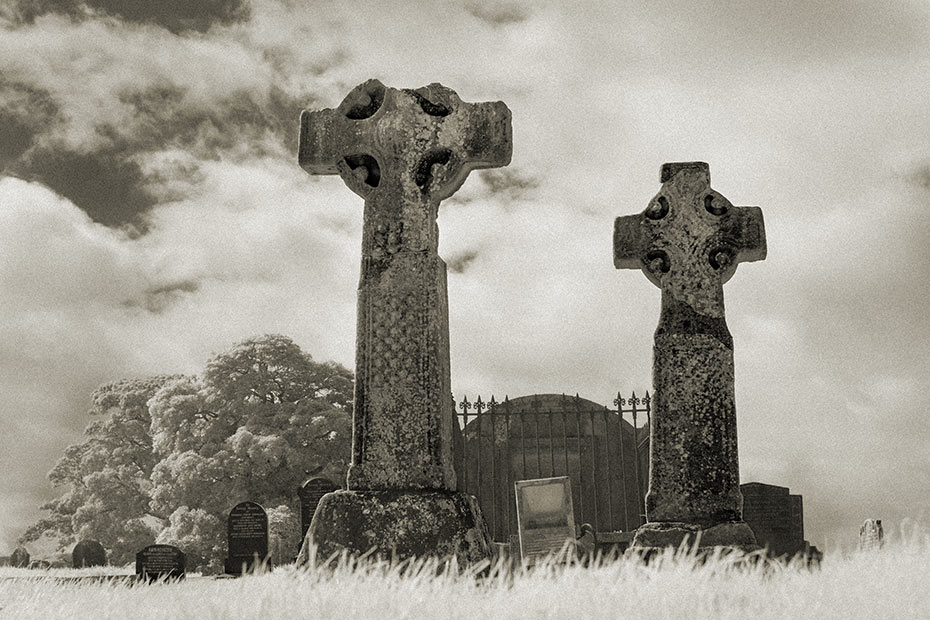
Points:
[(247, 530), (545, 520), (871, 535), (310, 494), (19, 558), (157, 562), (88, 553)]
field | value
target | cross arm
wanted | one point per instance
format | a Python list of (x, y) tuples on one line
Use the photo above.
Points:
[(328, 136), (474, 135), (319, 150), (630, 242), (744, 230)]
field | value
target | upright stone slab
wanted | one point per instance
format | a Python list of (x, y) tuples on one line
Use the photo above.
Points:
[(310, 494), (247, 538), (19, 558), (88, 553), (545, 518), (871, 535), (688, 242), (403, 151), (157, 562)]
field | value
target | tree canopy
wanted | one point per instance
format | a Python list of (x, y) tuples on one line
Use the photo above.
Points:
[(166, 458)]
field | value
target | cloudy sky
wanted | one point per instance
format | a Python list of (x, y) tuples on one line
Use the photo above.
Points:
[(152, 212)]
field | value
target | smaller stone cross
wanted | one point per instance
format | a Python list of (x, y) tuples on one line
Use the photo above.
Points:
[(688, 242)]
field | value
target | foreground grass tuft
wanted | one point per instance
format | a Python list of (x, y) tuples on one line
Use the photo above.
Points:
[(891, 583)]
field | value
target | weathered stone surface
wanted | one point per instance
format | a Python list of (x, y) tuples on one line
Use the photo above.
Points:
[(399, 524), (673, 534), (19, 558), (688, 242), (310, 493), (403, 151), (871, 535), (88, 553)]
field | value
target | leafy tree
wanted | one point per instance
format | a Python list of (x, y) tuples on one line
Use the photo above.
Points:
[(262, 415), (107, 477), (172, 455)]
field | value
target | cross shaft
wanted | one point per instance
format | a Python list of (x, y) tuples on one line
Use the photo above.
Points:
[(403, 151)]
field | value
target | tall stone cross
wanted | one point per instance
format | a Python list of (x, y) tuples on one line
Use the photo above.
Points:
[(403, 151), (688, 242)]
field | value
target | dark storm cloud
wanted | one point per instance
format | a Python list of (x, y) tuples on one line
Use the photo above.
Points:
[(159, 299), (164, 118), (460, 262), (498, 13), (503, 186), (174, 15), (513, 183), (107, 182), (25, 112)]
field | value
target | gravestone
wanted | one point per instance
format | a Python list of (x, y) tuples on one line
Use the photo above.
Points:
[(871, 535), (688, 242), (776, 518), (403, 151), (247, 535), (157, 562), (545, 519), (310, 494), (88, 553), (19, 558)]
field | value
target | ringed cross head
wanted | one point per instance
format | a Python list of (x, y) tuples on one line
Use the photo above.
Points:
[(423, 142), (690, 238)]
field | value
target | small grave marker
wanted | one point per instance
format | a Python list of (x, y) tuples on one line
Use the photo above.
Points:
[(545, 519), (19, 558), (247, 531), (871, 535), (160, 562), (88, 553), (310, 494)]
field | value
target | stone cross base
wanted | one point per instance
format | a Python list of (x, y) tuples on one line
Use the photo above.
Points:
[(398, 525), (735, 535)]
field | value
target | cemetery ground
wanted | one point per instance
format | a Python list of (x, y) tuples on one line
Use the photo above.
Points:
[(886, 583)]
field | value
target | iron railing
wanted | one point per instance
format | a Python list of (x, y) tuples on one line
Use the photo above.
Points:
[(604, 455)]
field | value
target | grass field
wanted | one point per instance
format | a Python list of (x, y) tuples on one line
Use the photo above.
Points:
[(891, 583)]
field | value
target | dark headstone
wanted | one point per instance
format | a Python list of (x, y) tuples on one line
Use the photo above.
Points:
[(247, 530), (776, 518), (88, 553), (160, 562), (310, 494), (19, 558)]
